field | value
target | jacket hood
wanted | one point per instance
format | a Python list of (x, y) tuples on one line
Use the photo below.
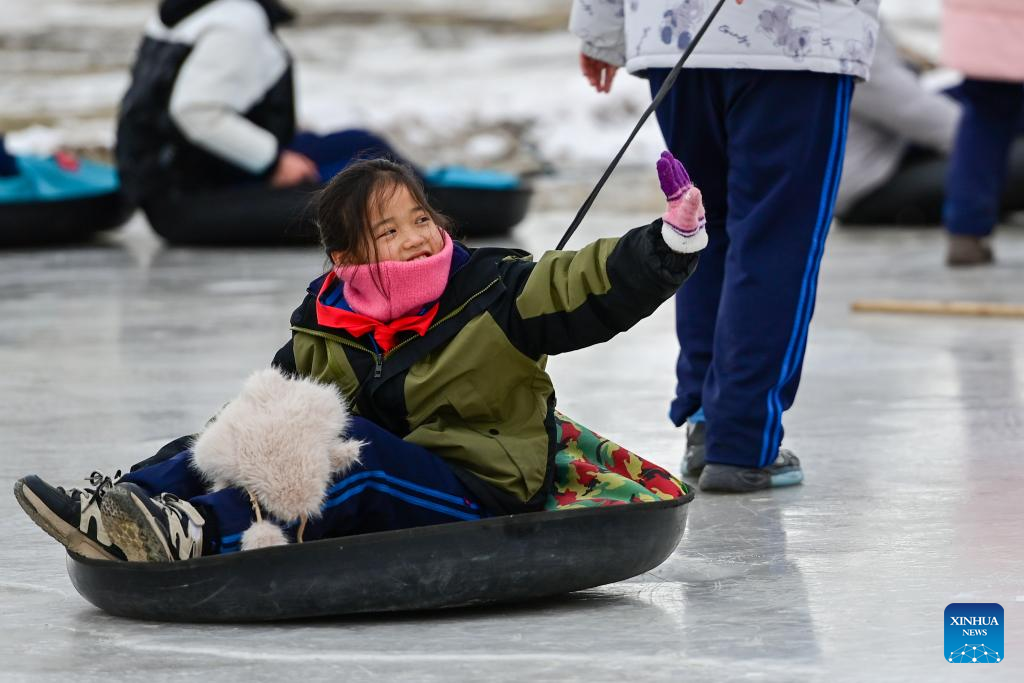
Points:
[(172, 12)]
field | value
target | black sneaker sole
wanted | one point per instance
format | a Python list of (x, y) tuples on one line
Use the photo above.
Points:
[(132, 527), (59, 530)]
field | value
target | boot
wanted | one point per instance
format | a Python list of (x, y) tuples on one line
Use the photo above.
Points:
[(968, 250)]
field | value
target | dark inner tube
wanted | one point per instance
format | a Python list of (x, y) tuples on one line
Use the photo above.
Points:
[(33, 224), (257, 215)]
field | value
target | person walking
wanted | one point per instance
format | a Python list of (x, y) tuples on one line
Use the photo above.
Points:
[(981, 38), (759, 116)]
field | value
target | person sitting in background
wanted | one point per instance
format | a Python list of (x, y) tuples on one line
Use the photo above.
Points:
[(898, 145), (211, 104)]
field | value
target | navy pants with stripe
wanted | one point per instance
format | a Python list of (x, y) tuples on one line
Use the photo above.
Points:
[(978, 164), (765, 148), (397, 485)]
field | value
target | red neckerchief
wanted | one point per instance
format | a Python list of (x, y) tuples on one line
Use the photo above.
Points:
[(357, 324)]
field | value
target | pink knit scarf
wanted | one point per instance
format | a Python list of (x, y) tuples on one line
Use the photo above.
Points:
[(408, 285)]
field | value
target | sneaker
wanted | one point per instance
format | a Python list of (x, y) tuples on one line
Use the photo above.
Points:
[(71, 516), (693, 459), (161, 528), (785, 471), (968, 250)]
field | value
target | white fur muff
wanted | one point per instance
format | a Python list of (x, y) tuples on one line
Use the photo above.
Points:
[(282, 441)]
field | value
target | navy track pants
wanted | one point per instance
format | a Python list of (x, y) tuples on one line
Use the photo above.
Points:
[(978, 164), (397, 485), (766, 150)]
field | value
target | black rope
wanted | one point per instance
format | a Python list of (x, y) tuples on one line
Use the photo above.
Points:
[(665, 87)]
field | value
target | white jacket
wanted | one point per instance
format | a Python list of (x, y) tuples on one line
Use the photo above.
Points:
[(829, 36), (235, 59)]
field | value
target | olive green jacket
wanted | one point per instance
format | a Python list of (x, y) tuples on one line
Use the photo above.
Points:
[(473, 389)]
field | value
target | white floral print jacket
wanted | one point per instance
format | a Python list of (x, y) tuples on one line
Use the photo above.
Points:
[(829, 36)]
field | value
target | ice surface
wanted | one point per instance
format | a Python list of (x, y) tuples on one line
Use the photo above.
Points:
[(910, 429)]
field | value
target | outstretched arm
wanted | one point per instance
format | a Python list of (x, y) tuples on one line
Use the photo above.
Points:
[(573, 299)]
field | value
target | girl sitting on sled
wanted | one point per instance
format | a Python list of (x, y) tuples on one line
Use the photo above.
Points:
[(413, 390)]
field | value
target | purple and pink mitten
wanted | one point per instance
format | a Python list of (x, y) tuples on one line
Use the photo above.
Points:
[(683, 221)]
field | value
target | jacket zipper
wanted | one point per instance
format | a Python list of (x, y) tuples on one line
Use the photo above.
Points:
[(379, 358)]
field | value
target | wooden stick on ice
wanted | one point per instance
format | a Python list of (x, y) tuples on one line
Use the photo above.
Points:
[(934, 307)]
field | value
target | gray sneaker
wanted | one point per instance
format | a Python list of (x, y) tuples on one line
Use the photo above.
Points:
[(693, 459), (785, 471)]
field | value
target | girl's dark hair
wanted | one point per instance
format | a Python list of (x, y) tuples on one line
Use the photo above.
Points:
[(344, 206)]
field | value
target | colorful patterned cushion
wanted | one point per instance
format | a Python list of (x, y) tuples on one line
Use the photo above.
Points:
[(591, 471)]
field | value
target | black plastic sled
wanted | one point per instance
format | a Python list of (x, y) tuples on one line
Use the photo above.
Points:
[(64, 221), (498, 560)]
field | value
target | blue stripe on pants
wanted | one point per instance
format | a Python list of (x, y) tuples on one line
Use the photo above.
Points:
[(401, 495), (334, 490), (765, 147), (808, 290)]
